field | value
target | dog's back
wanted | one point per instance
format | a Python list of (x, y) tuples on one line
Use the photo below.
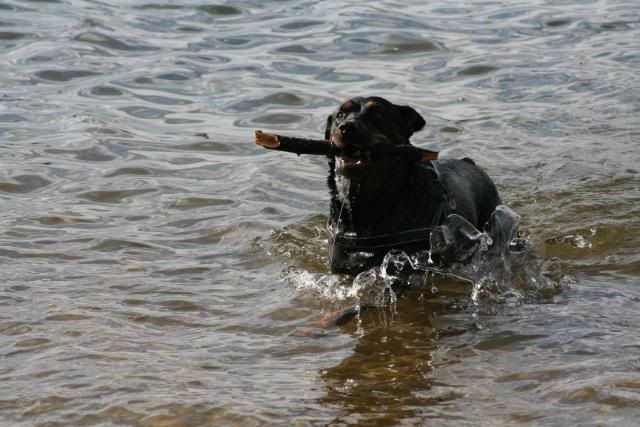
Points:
[(474, 196)]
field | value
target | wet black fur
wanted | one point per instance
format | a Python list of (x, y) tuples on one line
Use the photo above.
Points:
[(395, 195)]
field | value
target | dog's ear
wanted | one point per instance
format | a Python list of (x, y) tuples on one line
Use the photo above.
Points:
[(327, 130), (413, 119)]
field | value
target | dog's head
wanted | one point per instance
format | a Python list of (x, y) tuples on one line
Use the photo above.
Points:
[(360, 123)]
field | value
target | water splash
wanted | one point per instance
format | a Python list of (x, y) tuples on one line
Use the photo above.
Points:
[(502, 266), (499, 267)]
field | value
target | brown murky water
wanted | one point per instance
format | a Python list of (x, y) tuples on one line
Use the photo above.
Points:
[(159, 269)]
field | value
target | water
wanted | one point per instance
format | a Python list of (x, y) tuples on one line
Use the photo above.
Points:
[(155, 260)]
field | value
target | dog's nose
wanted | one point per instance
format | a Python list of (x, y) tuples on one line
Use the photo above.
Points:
[(347, 128)]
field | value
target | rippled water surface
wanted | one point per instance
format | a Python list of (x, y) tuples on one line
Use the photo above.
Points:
[(160, 269)]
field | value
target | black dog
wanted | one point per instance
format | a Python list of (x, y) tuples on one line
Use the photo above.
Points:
[(382, 204)]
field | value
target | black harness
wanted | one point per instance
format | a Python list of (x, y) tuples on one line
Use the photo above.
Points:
[(381, 241)]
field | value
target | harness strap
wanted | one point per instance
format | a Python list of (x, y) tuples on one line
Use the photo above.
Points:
[(382, 240)]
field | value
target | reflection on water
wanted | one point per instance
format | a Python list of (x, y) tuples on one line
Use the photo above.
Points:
[(159, 269), (387, 377)]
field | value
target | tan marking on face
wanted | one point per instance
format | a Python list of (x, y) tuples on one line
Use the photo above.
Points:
[(370, 104), (347, 105), (336, 138)]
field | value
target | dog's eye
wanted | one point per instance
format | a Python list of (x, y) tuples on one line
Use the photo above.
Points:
[(340, 115)]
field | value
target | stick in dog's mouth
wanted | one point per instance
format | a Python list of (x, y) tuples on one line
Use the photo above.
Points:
[(323, 147)]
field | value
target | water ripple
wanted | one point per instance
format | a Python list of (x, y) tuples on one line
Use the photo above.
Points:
[(103, 40)]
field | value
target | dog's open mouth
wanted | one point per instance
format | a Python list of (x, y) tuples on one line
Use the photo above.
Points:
[(354, 165), (359, 157)]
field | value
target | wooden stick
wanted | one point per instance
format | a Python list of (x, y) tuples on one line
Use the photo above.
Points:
[(292, 144), (299, 146)]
